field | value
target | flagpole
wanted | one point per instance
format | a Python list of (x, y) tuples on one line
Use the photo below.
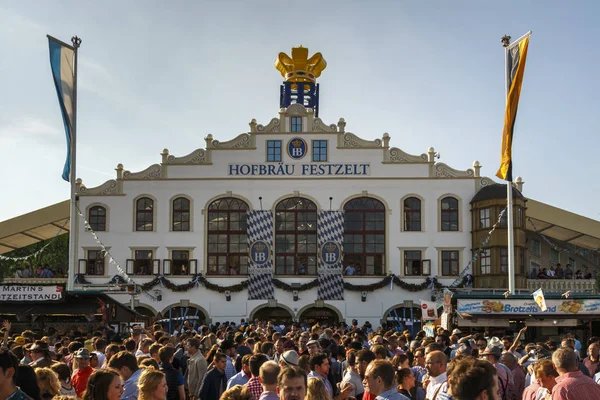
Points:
[(509, 192), (74, 220)]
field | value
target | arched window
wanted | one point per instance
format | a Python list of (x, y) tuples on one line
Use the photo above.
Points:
[(449, 211), (181, 214), (296, 237), (227, 237), (144, 214), (97, 218), (364, 236), (412, 214)]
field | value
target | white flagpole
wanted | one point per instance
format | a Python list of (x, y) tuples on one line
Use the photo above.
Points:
[(509, 193), (74, 220)]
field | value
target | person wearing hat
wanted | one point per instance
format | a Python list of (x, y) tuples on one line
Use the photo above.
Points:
[(40, 352), (20, 340), (26, 360), (80, 377), (313, 347), (228, 347), (288, 358), (493, 353)]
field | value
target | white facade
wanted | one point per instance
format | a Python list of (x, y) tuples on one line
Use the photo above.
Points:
[(383, 172)]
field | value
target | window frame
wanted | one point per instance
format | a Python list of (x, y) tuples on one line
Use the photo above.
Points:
[(504, 260), (301, 261), (233, 237), (151, 212), (488, 265), (407, 212), (173, 211), (450, 260), (316, 144), (539, 247), (485, 220), (296, 124), (135, 265), (90, 218), (555, 260), (276, 157), (364, 256), (449, 213)]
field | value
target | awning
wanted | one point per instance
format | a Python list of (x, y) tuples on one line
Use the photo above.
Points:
[(34, 227)]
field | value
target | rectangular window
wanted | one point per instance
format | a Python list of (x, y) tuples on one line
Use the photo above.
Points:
[(554, 256), (412, 262), (520, 218), (595, 258), (536, 247), (274, 150), (485, 262), (503, 223), (296, 124), (573, 264), (142, 264), (450, 262), (95, 262), (180, 262), (484, 218), (319, 150), (504, 259)]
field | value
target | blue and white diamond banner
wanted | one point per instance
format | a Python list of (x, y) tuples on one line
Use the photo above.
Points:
[(330, 233), (260, 245)]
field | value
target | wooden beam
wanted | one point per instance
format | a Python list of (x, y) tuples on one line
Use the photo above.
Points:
[(32, 236), (8, 245)]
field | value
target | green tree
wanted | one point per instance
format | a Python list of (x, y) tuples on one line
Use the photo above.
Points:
[(56, 255)]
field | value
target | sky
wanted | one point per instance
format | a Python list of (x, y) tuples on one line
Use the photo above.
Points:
[(157, 74)]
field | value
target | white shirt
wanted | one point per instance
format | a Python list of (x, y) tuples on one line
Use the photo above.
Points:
[(354, 378), (434, 384)]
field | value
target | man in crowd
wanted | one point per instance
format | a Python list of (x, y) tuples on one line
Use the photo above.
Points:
[(291, 384), (380, 381), (228, 348), (80, 377), (174, 377), (505, 379), (242, 377), (214, 383), (197, 367), (268, 377), (591, 362), (436, 363), (8, 370), (473, 379), (40, 352), (319, 368), (144, 347), (125, 364), (571, 383), (254, 385), (518, 376)]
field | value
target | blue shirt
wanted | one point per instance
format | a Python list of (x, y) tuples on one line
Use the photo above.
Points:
[(238, 379), (391, 394), (229, 369), (313, 374), (130, 388)]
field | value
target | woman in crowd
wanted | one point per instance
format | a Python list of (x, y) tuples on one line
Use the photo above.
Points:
[(64, 377), (237, 392), (152, 385), (27, 381), (544, 371), (316, 390), (48, 383), (406, 381), (104, 384)]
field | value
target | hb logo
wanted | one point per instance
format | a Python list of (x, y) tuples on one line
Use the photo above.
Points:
[(330, 253), (259, 252), (297, 148)]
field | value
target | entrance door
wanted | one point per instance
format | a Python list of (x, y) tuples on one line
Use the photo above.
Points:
[(319, 315), (404, 318), (277, 315)]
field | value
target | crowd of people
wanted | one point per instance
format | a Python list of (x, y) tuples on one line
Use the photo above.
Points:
[(41, 271), (559, 273), (264, 361)]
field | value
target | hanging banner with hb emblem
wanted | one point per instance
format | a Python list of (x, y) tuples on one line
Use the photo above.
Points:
[(330, 233), (260, 244)]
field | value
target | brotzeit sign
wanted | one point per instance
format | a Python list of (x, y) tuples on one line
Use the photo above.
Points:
[(515, 307), (30, 293)]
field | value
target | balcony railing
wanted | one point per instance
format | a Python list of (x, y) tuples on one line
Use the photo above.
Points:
[(563, 285)]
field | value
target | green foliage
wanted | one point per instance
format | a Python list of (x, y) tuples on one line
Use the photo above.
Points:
[(55, 255)]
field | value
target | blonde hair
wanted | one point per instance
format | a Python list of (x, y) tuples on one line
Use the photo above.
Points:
[(48, 381), (148, 382), (316, 390), (237, 392)]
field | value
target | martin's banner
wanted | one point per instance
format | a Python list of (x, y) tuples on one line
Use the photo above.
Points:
[(528, 306), (30, 293)]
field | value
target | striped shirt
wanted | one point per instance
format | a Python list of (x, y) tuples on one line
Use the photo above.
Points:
[(575, 386)]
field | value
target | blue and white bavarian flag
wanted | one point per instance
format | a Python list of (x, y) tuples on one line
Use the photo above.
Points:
[(330, 233), (63, 73), (260, 245)]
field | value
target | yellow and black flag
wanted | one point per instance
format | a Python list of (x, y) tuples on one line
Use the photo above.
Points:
[(516, 56)]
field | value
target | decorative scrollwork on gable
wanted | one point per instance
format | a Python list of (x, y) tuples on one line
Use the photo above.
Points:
[(319, 126), (199, 156), (444, 171), (272, 126), (485, 181), (242, 141), (155, 171), (350, 140), (296, 110), (110, 187), (396, 155)]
